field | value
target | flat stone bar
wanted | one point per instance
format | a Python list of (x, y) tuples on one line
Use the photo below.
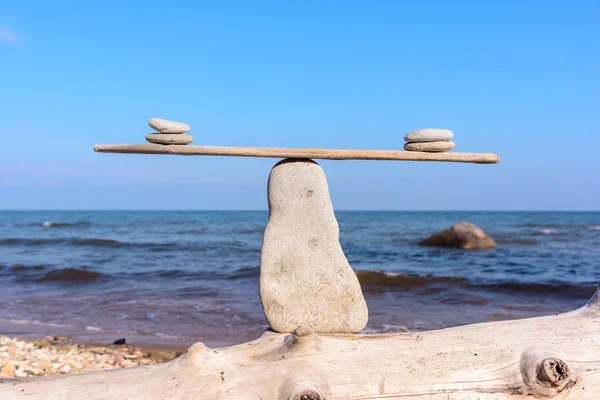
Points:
[(273, 152)]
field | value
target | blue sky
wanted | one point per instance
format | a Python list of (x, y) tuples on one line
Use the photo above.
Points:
[(518, 78)]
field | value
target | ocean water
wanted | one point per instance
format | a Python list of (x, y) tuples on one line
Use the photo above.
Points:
[(194, 275)]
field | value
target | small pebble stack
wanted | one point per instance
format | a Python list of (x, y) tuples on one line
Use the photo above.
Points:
[(430, 140), (170, 132)]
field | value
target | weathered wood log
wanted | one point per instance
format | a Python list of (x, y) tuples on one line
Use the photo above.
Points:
[(273, 152), (552, 357)]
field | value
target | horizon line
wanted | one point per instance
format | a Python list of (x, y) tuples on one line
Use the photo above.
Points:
[(265, 210)]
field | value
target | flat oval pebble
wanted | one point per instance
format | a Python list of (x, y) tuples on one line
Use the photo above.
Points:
[(431, 147), (166, 126), (168, 138), (429, 135)]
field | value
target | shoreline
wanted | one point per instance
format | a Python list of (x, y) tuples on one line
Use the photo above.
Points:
[(30, 349), (57, 355), (32, 331)]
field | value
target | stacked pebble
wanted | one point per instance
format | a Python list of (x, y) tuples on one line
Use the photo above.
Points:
[(170, 132), (430, 140)]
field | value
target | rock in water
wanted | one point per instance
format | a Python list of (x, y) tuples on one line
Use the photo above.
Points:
[(463, 236), (429, 135), (431, 147), (305, 278), (166, 126), (168, 138)]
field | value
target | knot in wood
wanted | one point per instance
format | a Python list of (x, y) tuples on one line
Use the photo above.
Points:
[(553, 372), (308, 395)]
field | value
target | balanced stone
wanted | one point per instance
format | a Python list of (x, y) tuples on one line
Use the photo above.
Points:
[(168, 138), (433, 147), (429, 135), (166, 126), (305, 278)]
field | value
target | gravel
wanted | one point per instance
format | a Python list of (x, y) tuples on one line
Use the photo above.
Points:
[(20, 358)]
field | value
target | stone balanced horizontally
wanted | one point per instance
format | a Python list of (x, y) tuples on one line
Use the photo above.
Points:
[(305, 278)]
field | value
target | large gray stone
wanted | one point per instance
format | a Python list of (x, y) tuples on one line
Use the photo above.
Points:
[(166, 126), (305, 278), (429, 135), (463, 236)]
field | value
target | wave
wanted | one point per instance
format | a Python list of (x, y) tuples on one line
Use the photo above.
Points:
[(43, 274), (245, 273), (541, 225), (72, 276), (394, 279), (546, 231), (96, 242), (173, 273), (554, 227), (71, 241), (26, 268), (80, 224), (251, 231), (93, 328), (176, 274), (370, 279), (525, 242), (34, 322), (225, 248), (22, 273), (195, 231)]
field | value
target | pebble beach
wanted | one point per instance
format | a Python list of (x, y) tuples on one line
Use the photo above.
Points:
[(54, 355)]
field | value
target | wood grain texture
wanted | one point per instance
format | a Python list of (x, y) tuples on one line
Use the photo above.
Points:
[(552, 357), (272, 152)]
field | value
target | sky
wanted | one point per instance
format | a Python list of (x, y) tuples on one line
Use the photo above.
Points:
[(517, 78)]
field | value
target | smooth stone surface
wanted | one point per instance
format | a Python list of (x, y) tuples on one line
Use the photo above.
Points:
[(166, 126), (429, 135), (464, 235), (432, 147), (305, 278), (168, 138)]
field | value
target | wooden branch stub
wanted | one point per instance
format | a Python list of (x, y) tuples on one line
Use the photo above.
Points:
[(553, 372), (594, 302), (304, 386), (273, 152), (308, 395), (544, 374)]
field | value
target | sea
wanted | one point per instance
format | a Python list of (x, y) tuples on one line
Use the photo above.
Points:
[(194, 275)]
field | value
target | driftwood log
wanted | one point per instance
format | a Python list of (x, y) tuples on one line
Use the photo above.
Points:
[(555, 357)]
